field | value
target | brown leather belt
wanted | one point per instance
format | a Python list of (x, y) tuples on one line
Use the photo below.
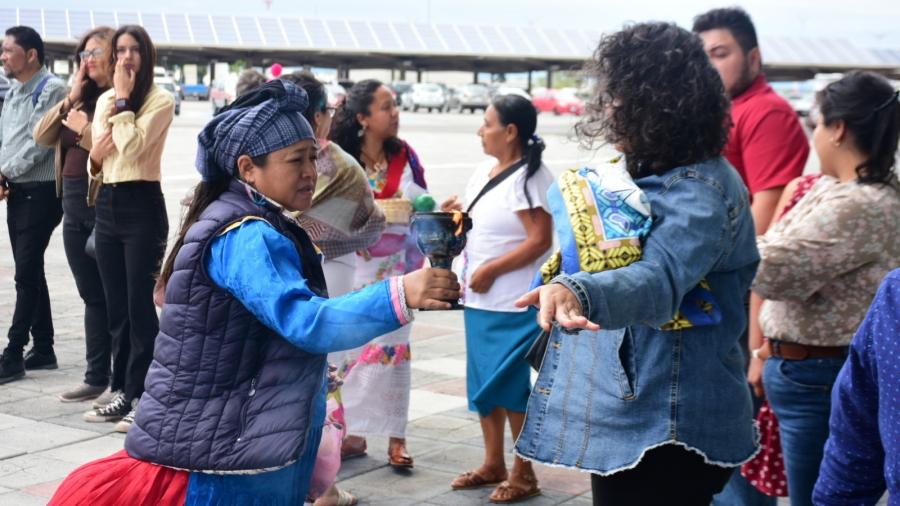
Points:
[(797, 351)]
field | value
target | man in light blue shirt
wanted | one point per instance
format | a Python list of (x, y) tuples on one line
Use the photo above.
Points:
[(34, 209)]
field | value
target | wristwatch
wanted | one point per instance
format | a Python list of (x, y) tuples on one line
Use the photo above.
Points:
[(122, 105)]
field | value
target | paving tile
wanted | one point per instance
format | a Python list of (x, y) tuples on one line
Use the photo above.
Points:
[(423, 403), (424, 331), (417, 485), (565, 481), (480, 496), (45, 489), (27, 470), (446, 365), (75, 421), (21, 499), (38, 436), (40, 406), (85, 451), (446, 428), (421, 378), (455, 386)]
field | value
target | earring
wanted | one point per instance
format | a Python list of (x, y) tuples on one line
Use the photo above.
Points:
[(361, 131)]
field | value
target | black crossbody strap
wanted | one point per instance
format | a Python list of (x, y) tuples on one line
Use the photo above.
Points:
[(495, 181)]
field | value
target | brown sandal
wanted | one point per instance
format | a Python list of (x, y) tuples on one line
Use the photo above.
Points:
[(506, 493), (471, 479), (352, 451), (398, 457)]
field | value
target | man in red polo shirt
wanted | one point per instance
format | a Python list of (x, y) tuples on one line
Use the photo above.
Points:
[(768, 148), (767, 144)]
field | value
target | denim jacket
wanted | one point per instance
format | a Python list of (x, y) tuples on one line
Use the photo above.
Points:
[(602, 399)]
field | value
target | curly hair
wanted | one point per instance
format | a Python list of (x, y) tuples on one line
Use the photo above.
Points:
[(867, 103), (657, 99)]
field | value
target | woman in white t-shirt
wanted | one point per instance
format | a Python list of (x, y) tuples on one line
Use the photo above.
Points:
[(509, 240)]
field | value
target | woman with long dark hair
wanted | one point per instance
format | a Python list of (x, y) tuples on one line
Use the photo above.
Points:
[(638, 387), (377, 376), (510, 237), (129, 132), (822, 264), (67, 127)]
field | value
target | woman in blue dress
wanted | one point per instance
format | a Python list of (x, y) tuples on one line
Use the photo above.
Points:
[(235, 396)]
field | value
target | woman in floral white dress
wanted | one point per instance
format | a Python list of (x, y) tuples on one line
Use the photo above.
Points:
[(377, 376)]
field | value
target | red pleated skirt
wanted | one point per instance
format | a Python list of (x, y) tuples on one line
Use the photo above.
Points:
[(122, 480)]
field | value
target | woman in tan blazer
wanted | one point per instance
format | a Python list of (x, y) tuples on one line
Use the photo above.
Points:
[(67, 127)]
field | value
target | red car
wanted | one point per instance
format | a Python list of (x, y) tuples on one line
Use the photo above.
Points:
[(563, 101)]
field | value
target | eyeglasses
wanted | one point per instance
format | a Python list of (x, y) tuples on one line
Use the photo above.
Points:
[(96, 53)]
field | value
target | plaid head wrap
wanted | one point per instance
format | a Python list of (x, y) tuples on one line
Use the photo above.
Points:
[(257, 123)]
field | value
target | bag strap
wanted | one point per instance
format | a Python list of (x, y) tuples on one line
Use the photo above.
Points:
[(38, 90), (495, 181)]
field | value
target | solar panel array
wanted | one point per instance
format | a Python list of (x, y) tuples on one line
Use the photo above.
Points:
[(286, 32)]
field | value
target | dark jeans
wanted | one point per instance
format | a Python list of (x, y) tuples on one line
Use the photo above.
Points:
[(33, 211), (667, 475), (130, 233), (78, 221)]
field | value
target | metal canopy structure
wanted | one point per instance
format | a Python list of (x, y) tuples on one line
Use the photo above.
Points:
[(347, 43)]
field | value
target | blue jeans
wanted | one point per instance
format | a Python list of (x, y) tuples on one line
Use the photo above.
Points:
[(799, 392)]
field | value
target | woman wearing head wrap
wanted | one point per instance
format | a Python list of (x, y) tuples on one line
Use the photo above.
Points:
[(235, 396), (376, 396)]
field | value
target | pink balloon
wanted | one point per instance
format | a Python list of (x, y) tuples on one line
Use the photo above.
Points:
[(276, 69)]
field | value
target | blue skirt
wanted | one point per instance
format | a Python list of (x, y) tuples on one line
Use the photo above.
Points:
[(497, 375)]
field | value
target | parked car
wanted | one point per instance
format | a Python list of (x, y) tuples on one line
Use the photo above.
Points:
[(469, 96), (167, 84), (562, 101), (197, 91), (221, 95), (424, 96), (399, 88), (5, 84), (336, 94), (568, 101), (543, 99), (509, 90)]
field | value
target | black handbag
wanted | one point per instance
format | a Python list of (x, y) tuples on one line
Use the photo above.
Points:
[(535, 354), (90, 246)]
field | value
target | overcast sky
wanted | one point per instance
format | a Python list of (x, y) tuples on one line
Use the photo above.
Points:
[(874, 23)]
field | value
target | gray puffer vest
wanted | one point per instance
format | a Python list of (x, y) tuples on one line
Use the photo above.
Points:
[(224, 392)]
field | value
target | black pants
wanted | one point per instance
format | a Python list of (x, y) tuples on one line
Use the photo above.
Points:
[(78, 221), (667, 475), (131, 230), (33, 211)]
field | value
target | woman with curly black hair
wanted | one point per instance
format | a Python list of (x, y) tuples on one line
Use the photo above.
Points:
[(637, 386)]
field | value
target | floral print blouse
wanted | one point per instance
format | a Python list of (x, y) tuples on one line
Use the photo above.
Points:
[(822, 263)]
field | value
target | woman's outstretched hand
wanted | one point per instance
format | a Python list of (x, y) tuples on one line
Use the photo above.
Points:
[(430, 288), (557, 303)]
